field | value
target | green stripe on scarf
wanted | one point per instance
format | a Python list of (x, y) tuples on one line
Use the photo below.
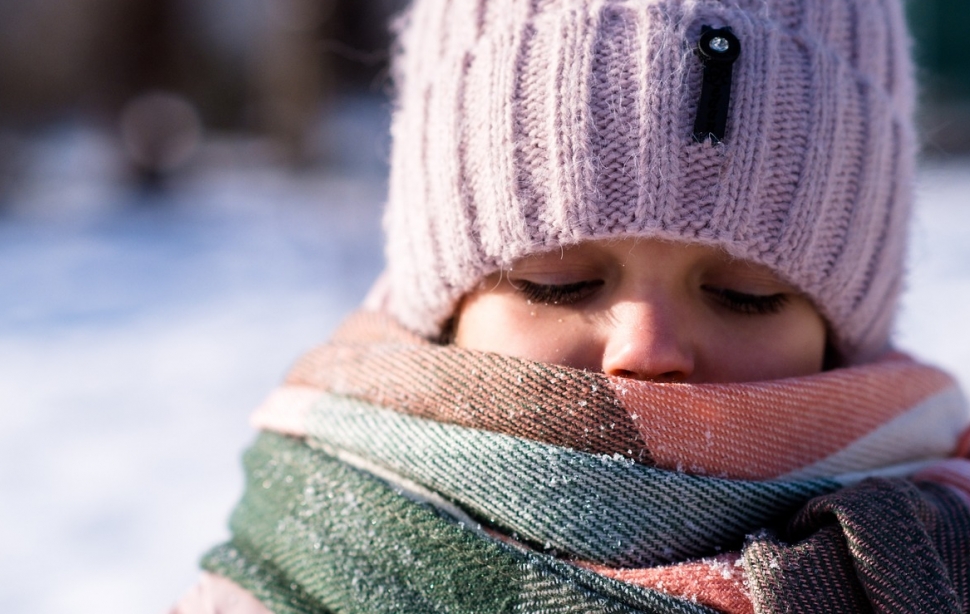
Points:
[(603, 509), (315, 535)]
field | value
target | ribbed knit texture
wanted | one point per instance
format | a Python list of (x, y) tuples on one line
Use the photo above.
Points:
[(525, 125)]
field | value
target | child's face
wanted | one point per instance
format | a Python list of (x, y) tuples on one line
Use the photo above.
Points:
[(647, 310)]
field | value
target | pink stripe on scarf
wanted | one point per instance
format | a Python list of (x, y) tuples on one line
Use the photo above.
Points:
[(718, 582), (763, 430)]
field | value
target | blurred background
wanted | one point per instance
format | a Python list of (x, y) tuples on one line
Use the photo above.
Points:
[(190, 197)]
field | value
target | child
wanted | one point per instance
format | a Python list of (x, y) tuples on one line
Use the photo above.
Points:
[(631, 352)]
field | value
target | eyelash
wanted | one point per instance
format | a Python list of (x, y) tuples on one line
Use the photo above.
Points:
[(568, 294), (556, 294), (748, 304)]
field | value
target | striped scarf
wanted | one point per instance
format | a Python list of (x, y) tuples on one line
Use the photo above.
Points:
[(396, 475)]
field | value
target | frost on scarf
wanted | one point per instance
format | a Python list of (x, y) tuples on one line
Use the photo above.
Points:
[(399, 475)]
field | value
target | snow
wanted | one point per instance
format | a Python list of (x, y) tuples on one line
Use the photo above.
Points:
[(934, 321), (137, 333)]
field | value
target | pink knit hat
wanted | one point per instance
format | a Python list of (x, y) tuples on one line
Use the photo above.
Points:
[(525, 125)]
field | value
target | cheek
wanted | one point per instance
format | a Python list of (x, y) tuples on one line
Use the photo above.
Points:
[(790, 345), (493, 323), (805, 339), (507, 325)]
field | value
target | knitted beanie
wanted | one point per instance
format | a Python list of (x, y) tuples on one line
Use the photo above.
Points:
[(778, 130)]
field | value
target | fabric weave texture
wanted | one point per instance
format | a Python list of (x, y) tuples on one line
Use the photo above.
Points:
[(384, 482)]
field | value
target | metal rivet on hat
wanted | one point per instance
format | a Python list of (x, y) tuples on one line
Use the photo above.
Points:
[(719, 44)]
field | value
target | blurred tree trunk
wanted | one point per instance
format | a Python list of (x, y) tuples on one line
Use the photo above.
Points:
[(940, 30), (291, 75)]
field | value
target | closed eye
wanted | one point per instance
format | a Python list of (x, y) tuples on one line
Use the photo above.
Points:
[(556, 294), (748, 304)]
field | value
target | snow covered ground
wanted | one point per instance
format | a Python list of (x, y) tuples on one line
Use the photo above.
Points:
[(136, 334), (934, 321)]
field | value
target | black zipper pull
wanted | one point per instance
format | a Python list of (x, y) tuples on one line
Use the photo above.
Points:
[(718, 49)]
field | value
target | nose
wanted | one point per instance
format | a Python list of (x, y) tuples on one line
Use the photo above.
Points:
[(646, 340)]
